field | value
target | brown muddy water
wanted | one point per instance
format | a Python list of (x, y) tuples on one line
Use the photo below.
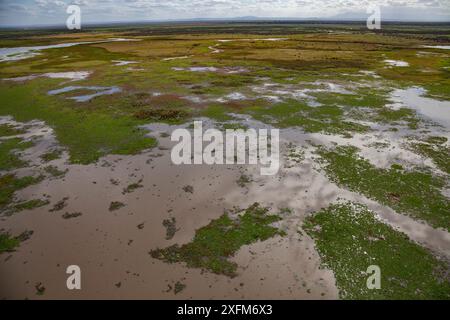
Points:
[(112, 248)]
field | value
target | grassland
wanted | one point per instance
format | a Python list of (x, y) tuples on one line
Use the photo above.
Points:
[(221, 239), (417, 193), (350, 239)]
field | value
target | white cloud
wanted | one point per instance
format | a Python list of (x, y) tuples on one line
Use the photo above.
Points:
[(97, 11)]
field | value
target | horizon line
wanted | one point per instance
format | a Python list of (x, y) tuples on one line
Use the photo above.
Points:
[(236, 19)]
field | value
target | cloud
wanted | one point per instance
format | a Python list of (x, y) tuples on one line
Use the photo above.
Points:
[(98, 11)]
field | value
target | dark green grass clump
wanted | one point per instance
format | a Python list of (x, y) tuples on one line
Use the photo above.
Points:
[(417, 193), (51, 155), (9, 184), (8, 157), (29, 205), (349, 240), (221, 239), (9, 243), (164, 115), (7, 130), (116, 205)]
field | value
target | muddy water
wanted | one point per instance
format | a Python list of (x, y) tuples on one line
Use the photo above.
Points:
[(111, 247)]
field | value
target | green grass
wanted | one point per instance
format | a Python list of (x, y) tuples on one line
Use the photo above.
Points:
[(8, 130), (51, 155), (8, 157), (88, 134), (349, 240), (221, 239), (416, 193), (327, 119), (217, 112), (434, 148), (9, 184), (29, 205), (8, 243)]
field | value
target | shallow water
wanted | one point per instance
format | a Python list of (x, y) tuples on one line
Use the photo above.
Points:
[(83, 98), (73, 75), (175, 58), (122, 62), (438, 47), (436, 110), (20, 53), (396, 63)]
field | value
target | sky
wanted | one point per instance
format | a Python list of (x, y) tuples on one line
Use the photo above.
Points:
[(53, 12)]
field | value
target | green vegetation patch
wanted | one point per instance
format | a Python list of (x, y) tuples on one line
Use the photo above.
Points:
[(436, 149), (8, 157), (9, 184), (29, 205), (349, 240), (9, 243), (417, 193), (221, 239), (133, 186), (7, 130), (116, 205), (51, 155), (88, 132), (292, 113)]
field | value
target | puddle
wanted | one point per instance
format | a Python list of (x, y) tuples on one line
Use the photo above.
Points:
[(176, 58), (196, 69), (396, 63), (100, 91), (436, 110), (438, 47), (227, 70), (122, 62), (234, 96), (214, 49), (20, 53), (266, 39), (74, 76), (279, 92)]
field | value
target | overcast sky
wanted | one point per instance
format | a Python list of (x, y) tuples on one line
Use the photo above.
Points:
[(34, 12)]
